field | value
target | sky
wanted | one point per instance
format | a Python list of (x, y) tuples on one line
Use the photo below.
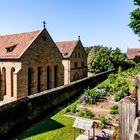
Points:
[(97, 22)]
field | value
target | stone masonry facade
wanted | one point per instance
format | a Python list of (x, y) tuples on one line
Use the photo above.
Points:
[(39, 68), (32, 62), (78, 63), (74, 60)]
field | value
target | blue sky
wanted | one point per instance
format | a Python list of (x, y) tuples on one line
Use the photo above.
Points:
[(98, 22)]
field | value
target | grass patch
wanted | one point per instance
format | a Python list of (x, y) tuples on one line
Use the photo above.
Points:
[(55, 127)]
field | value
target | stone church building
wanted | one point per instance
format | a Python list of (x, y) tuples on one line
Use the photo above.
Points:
[(32, 62), (29, 63), (74, 60)]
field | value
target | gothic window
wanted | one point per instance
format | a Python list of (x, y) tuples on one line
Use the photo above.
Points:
[(12, 81), (3, 81), (55, 76), (84, 75), (48, 77), (82, 64), (29, 81), (79, 54), (77, 77), (75, 55), (74, 78), (75, 64), (39, 79)]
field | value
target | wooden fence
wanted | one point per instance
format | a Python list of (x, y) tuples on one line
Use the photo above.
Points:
[(129, 120)]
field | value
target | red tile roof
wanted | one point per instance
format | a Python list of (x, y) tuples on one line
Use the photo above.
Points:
[(14, 45), (66, 47), (132, 52)]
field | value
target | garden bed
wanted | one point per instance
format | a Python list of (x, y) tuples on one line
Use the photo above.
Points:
[(99, 103)]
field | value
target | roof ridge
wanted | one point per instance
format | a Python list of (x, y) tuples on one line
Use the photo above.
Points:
[(21, 33), (133, 48), (67, 41)]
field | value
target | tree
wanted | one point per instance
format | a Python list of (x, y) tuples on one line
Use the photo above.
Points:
[(105, 59), (118, 59), (101, 61), (135, 18), (91, 54)]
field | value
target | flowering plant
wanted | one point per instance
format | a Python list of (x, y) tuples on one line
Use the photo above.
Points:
[(85, 98)]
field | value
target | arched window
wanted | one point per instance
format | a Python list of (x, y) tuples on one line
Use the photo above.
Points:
[(48, 77), (79, 54), (82, 64), (55, 76), (12, 81), (74, 78), (39, 79), (77, 77), (84, 75), (75, 64), (75, 55), (29, 81), (3, 81)]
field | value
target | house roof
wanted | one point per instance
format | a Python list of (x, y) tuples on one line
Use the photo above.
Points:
[(14, 45), (132, 52), (66, 47)]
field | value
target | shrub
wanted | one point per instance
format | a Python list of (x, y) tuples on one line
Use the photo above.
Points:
[(91, 95), (125, 89), (71, 108), (103, 120), (91, 100), (105, 86), (112, 78), (87, 91), (100, 92), (101, 125), (80, 113), (114, 110), (119, 95), (85, 113), (85, 98), (88, 114)]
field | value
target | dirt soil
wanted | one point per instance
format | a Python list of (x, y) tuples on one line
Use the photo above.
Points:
[(102, 108)]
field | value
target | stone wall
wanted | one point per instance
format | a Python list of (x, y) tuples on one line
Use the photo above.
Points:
[(16, 115)]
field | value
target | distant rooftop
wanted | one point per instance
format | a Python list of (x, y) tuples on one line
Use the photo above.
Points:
[(132, 52)]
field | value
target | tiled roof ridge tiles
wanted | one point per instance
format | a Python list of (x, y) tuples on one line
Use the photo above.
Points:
[(11, 34)]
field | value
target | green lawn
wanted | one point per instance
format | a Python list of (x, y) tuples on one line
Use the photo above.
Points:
[(56, 127)]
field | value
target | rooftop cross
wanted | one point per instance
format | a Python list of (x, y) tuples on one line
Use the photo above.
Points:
[(44, 23), (79, 37)]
